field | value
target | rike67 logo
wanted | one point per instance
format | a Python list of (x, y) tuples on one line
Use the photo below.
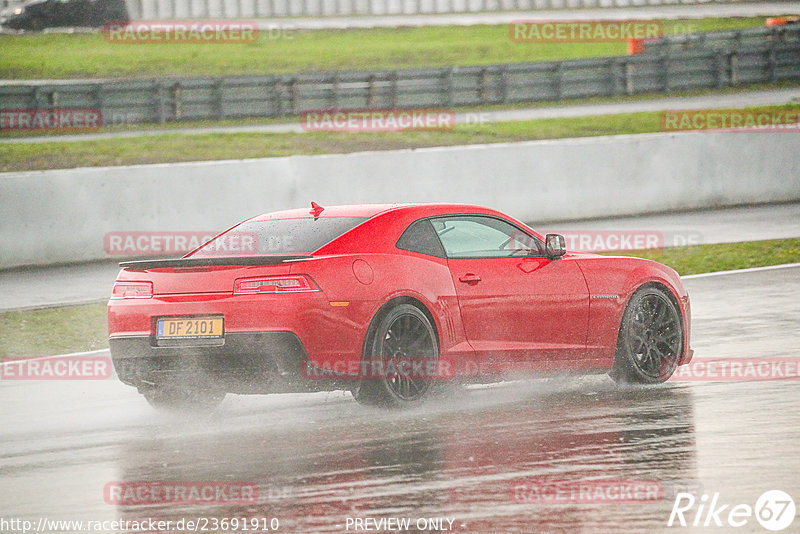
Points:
[(774, 510)]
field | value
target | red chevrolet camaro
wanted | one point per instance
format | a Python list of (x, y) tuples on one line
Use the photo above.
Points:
[(389, 302)]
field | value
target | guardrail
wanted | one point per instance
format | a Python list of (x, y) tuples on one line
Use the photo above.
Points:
[(176, 9), (725, 40), (776, 57)]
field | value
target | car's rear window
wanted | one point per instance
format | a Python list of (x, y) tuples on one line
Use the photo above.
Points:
[(278, 236)]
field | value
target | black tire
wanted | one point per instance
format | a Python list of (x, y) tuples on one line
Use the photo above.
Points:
[(175, 399), (650, 339), (402, 334)]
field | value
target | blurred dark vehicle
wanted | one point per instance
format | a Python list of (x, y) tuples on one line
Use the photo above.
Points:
[(40, 14)]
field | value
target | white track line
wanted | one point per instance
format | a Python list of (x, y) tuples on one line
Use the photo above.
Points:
[(742, 271), (77, 354)]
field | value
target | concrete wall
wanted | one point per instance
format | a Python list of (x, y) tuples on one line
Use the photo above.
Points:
[(62, 215)]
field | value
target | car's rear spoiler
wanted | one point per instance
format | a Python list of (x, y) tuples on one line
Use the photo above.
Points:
[(145, 265)]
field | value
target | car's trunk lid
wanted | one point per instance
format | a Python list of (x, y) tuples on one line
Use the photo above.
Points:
[(205, 274)]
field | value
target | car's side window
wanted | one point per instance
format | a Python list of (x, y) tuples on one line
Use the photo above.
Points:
[(475, 236), (420, 237)]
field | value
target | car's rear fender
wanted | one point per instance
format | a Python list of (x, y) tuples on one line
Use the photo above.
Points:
[(359, 285)]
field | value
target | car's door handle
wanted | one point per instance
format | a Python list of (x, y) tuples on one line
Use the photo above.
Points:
[(470, 278)]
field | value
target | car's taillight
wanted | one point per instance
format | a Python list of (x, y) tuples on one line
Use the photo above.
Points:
[(274, 284), (132, 290)]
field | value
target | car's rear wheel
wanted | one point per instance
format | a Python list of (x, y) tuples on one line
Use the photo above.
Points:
[(650, 339), (399, 362), (183, 399)]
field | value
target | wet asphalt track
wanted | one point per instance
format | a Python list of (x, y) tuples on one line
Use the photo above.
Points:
[(319, 459)]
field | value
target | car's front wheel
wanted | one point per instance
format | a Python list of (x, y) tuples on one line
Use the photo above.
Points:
[(650, 339), (400, 361), (183, 399)]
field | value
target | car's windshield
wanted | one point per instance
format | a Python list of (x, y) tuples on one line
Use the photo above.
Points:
[(278, 236)]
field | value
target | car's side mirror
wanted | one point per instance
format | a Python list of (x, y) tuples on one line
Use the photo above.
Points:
[(554, 246)]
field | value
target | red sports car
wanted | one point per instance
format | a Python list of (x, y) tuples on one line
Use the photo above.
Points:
[(389, 302)]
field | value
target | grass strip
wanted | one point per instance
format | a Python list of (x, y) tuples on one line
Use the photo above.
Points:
[(49, 331), (695, 259), (58, 55), (174, 148)]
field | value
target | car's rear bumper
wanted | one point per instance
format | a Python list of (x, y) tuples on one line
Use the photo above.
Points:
[(242, 362)]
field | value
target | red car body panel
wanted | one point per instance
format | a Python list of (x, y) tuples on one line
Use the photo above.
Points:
[(525, 313)]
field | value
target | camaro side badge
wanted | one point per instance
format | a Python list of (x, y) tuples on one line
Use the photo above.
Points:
[(605, 296)]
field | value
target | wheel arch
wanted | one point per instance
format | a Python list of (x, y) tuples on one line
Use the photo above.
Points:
[(658, 284), (388, 305)]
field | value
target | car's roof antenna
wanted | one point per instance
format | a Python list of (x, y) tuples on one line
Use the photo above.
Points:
[(316, 209)]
